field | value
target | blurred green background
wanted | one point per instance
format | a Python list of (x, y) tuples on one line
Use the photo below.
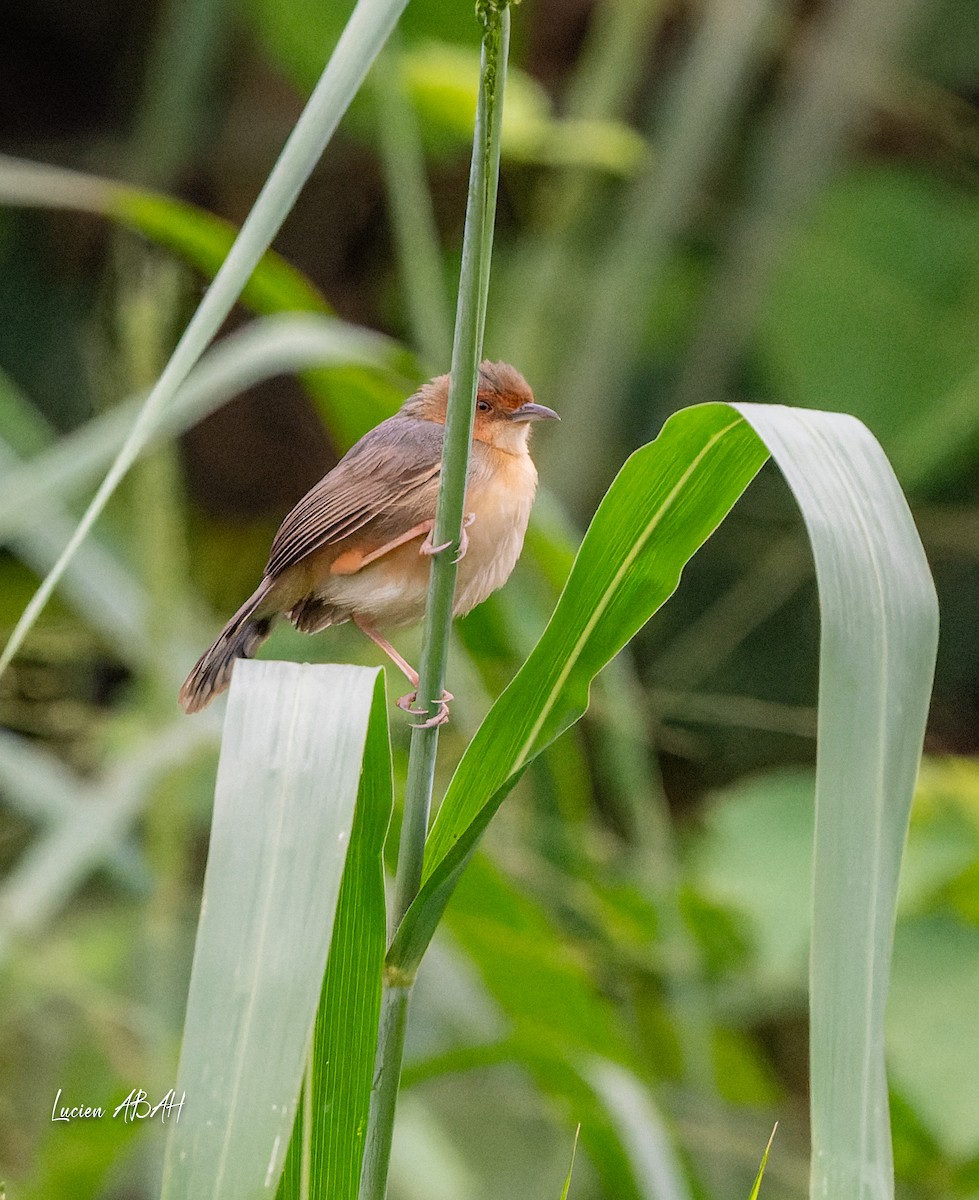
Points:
[(745, 199)]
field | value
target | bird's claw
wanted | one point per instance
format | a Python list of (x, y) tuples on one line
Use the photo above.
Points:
[(427, 548), (441, 715), (464, 537)]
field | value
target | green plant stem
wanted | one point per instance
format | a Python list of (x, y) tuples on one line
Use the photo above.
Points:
[(466, 353)]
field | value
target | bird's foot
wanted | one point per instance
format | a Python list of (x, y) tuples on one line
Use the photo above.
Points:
[(428, 548), (441, 715), (464, 536)]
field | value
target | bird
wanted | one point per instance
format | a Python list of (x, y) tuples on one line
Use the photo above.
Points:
[(358, 546)]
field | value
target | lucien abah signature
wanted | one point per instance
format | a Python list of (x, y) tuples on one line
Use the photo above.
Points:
[(137, 1106)]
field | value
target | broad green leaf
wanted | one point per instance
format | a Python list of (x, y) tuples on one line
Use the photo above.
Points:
[(286, 791), (442, 77), (529, 969), (754, 856), (351, 400), (879, 636), (341, 1064), (198, 236), (665, 502), (935, 1067), (560, 1020), (205, 240)]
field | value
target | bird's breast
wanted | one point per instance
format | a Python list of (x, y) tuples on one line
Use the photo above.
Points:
[(500, 495)]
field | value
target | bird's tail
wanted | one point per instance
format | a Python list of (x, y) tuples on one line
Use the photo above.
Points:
[(240, 638)]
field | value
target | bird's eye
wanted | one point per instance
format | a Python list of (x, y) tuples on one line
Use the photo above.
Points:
[(484, 406)]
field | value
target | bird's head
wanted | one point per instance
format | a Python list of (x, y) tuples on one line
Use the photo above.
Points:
[(505, 406)]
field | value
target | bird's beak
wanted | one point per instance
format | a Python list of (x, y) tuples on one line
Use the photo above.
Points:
[(534, 412)]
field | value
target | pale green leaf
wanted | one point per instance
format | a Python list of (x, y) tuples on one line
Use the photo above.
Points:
[(933, 1060), (284, 808), (879, 635), (442, 77)]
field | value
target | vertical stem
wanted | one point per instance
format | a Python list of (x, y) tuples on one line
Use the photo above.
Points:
[(466, 353)]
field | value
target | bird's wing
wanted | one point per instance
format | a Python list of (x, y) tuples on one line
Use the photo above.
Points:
[(390, 477)]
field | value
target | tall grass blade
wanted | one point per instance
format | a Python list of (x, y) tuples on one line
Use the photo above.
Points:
[(284, 809), (567, 1178), (365, 33), (341, 1063), (655, 1167), (879, 618), (756, 1186), (88, 833)]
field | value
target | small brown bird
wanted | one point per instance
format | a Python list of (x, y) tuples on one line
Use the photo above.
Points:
[(357, 547)]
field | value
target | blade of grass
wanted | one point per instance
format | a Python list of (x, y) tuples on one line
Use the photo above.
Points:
[(200, 237), (707, 99), (285, 799), (466, 354), (43, 789), (341, 1062), (271, 346), (89, 833), (96, 583), (567, 1178), (756, 1186), (879, 635), (655, 1166), (365, 33), (828, 92)]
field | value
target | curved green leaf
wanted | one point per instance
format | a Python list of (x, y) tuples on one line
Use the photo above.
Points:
[(666, 501), (878, 645), (879, 637)]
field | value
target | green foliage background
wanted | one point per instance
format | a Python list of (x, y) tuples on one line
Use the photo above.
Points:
[(730, 200)]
